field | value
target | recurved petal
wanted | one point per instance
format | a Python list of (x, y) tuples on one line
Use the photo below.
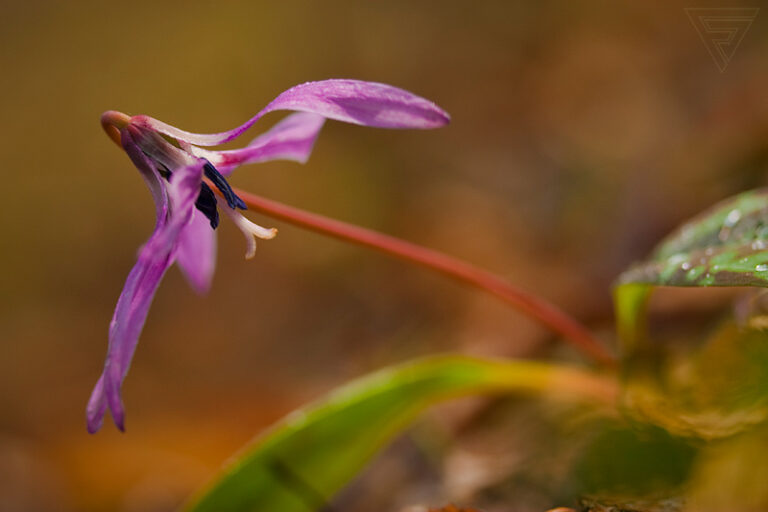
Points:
[(365, 103), (97, 407), (154, 259), (290, 139), (196, 252), (351, 101), (127, 323)]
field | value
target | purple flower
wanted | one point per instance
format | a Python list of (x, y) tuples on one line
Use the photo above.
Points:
[(182, 177)]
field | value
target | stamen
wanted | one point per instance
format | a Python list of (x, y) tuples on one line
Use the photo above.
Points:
[(164, 171), (206, 203), (221, 183), (249, 229)]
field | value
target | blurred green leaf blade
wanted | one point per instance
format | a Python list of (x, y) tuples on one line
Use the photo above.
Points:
[(726, 245), (314, 452)]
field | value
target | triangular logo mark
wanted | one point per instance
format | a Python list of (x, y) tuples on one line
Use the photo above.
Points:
[(722, 30)]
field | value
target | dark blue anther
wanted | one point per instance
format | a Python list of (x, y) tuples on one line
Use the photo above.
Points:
[(206, 203), (215, 176), (164, 171)]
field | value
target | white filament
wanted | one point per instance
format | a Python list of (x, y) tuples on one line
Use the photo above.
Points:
[(250, 230)]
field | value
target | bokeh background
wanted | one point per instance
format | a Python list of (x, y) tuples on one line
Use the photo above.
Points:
[(581, 133)]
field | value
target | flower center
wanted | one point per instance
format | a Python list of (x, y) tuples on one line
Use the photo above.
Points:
[(221, 183), (206, 200), (167, 157)]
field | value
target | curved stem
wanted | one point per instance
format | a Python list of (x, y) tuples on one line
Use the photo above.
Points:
[(544, 312)]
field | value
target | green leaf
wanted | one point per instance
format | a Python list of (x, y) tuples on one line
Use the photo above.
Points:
[(314, 452), (726, 245)]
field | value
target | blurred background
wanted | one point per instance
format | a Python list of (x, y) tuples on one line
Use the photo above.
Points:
[(581, 133)]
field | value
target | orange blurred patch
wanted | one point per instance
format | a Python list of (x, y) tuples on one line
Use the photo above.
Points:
[(453, 508)]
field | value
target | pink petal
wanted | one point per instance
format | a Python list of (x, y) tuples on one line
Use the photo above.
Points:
[(290, 139), (196, 252), (133, 305), (97, 407), (127, 323), (149, 172), (351, 101)]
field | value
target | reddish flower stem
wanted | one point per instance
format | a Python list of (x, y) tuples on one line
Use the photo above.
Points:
[(544, 312)]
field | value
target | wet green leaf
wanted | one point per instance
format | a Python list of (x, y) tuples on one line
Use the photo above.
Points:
[(307, 458), (726, 245)]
